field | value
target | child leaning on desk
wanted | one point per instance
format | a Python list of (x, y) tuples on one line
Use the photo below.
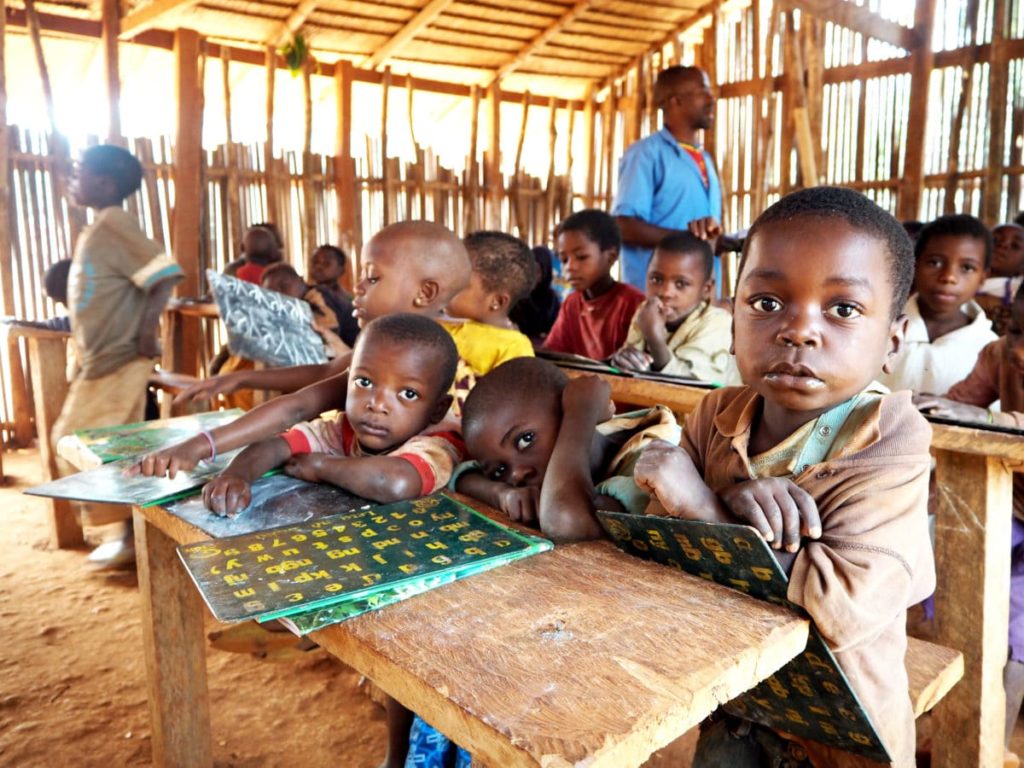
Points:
[(999, 375), (831, 468), (677, 330)]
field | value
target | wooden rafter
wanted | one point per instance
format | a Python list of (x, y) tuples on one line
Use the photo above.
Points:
[(427, 14), (295, 20), (682, 28), (859, 19), (541, 40), (150, 15)]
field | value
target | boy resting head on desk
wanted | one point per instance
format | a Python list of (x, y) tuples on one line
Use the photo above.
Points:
[(526, 423), (677, 330), (381, 447), (828, 466), (413, 266)]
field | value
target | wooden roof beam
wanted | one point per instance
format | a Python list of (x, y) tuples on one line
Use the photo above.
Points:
[(295, 20), (541, 40), (427, 14), (857, 18), (150, 15)]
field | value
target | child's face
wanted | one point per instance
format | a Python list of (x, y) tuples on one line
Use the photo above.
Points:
[(472, 302), (812, 321), (90, 189), (514, 443), (678, 279), (1007, 250), (392, 393), (583, 262), (387, 285), (326, 268), (949, 271)]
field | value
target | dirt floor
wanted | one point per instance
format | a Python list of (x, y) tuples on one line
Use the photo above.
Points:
[(72, 679)]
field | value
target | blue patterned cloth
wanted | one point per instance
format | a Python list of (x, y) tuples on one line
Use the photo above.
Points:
[(429, 748)]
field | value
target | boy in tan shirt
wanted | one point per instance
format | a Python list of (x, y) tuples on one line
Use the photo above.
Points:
[(831, 469)]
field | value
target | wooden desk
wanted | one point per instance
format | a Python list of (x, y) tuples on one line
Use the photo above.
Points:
[(972, 562), (583, 653), (47, 356)]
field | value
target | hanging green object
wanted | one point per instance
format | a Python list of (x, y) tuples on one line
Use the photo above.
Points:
[(295, 53)]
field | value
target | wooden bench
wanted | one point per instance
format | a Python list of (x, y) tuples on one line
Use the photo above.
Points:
[(973, 470)]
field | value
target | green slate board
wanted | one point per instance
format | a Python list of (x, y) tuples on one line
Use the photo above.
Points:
[(127, 440), (809, 697), (349, 558)]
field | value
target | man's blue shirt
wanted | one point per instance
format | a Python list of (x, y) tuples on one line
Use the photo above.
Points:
[(660, 183)]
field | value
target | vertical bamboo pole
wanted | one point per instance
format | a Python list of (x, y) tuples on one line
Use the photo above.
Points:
[(234, 211), (308, 193), (270, 63), (110, 30), (492, 178), (10, 352), (187, 221), (471, 190), (766, 102), (998, 75), (922, 61), (385, 92), (609, 149), (345, 168), (588, 145), (711, 67), (518, 218), (549, 191)]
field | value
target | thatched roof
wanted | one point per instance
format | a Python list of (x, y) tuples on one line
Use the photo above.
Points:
[(552, 47)]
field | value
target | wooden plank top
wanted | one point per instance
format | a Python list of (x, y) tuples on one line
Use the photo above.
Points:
[(579, 654), (193, 308)]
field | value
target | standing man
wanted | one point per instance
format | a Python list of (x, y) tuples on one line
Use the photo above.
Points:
[(667, 182)]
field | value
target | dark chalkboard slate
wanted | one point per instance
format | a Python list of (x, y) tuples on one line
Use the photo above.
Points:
[(349, 558), (810, 697)]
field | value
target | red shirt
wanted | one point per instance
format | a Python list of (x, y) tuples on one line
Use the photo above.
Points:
[(251, 273), (594, 328)]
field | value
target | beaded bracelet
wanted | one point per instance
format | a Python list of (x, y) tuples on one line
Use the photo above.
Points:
[(213, 446)]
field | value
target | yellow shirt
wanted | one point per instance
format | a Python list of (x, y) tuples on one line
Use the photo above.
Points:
[(485, 347)]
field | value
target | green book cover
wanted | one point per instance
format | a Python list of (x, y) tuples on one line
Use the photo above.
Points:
[(127, 440), (350, 557), (810, 696)]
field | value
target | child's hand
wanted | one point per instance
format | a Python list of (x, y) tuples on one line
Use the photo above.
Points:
[(588, 391), (209, 388), (306, 467), (520, 504), (666, 472), (932, 405), (651, 320), (332, 341), (227, 495), (706, 228), (181, 457), (631, 359), (778, 508)]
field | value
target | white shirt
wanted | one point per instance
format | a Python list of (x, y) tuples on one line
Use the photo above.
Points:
[(935, 366)]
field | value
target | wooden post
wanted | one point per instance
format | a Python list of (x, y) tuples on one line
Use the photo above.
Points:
[(968, 724), (493, 180), (308, 193), (188, 193), (110, 31), (385, 176), (998, 75), (345, 169), (471, 189), (588, 145), (922, 61), (270, 62), (234, 208)]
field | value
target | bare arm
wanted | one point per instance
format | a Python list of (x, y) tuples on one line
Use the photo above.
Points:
[(378, 478), (519, 503), (149, 324), (567, 495), (290, 379), (638, 232)]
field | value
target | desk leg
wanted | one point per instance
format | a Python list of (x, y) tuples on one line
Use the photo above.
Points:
[(172, 632), (972, 554)]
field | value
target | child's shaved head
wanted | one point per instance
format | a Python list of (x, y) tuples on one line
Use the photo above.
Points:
[(430, 250)]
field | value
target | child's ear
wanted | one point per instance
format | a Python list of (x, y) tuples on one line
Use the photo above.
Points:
[(708, 290), (499, 301), (444, 402), (612, 254), (427, 294), (897, 333)]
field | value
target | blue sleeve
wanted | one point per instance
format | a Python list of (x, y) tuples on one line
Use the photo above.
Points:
[(635, 193)]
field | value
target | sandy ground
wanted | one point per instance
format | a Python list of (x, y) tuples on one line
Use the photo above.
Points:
[(72, 677)]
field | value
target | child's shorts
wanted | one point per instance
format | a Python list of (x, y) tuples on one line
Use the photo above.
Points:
[(727, 741), (429, 748)]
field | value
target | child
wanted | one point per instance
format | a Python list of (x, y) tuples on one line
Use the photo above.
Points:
[(55, 283), (594, 319), (535, 314), (999, 375), (996, 294), (503, 272), (259, 250), (412, 266), (118, 285), (677, 330), (830, 469), (526, 421), (379, 447), (328, 269), (946, 328), (331, 312)]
